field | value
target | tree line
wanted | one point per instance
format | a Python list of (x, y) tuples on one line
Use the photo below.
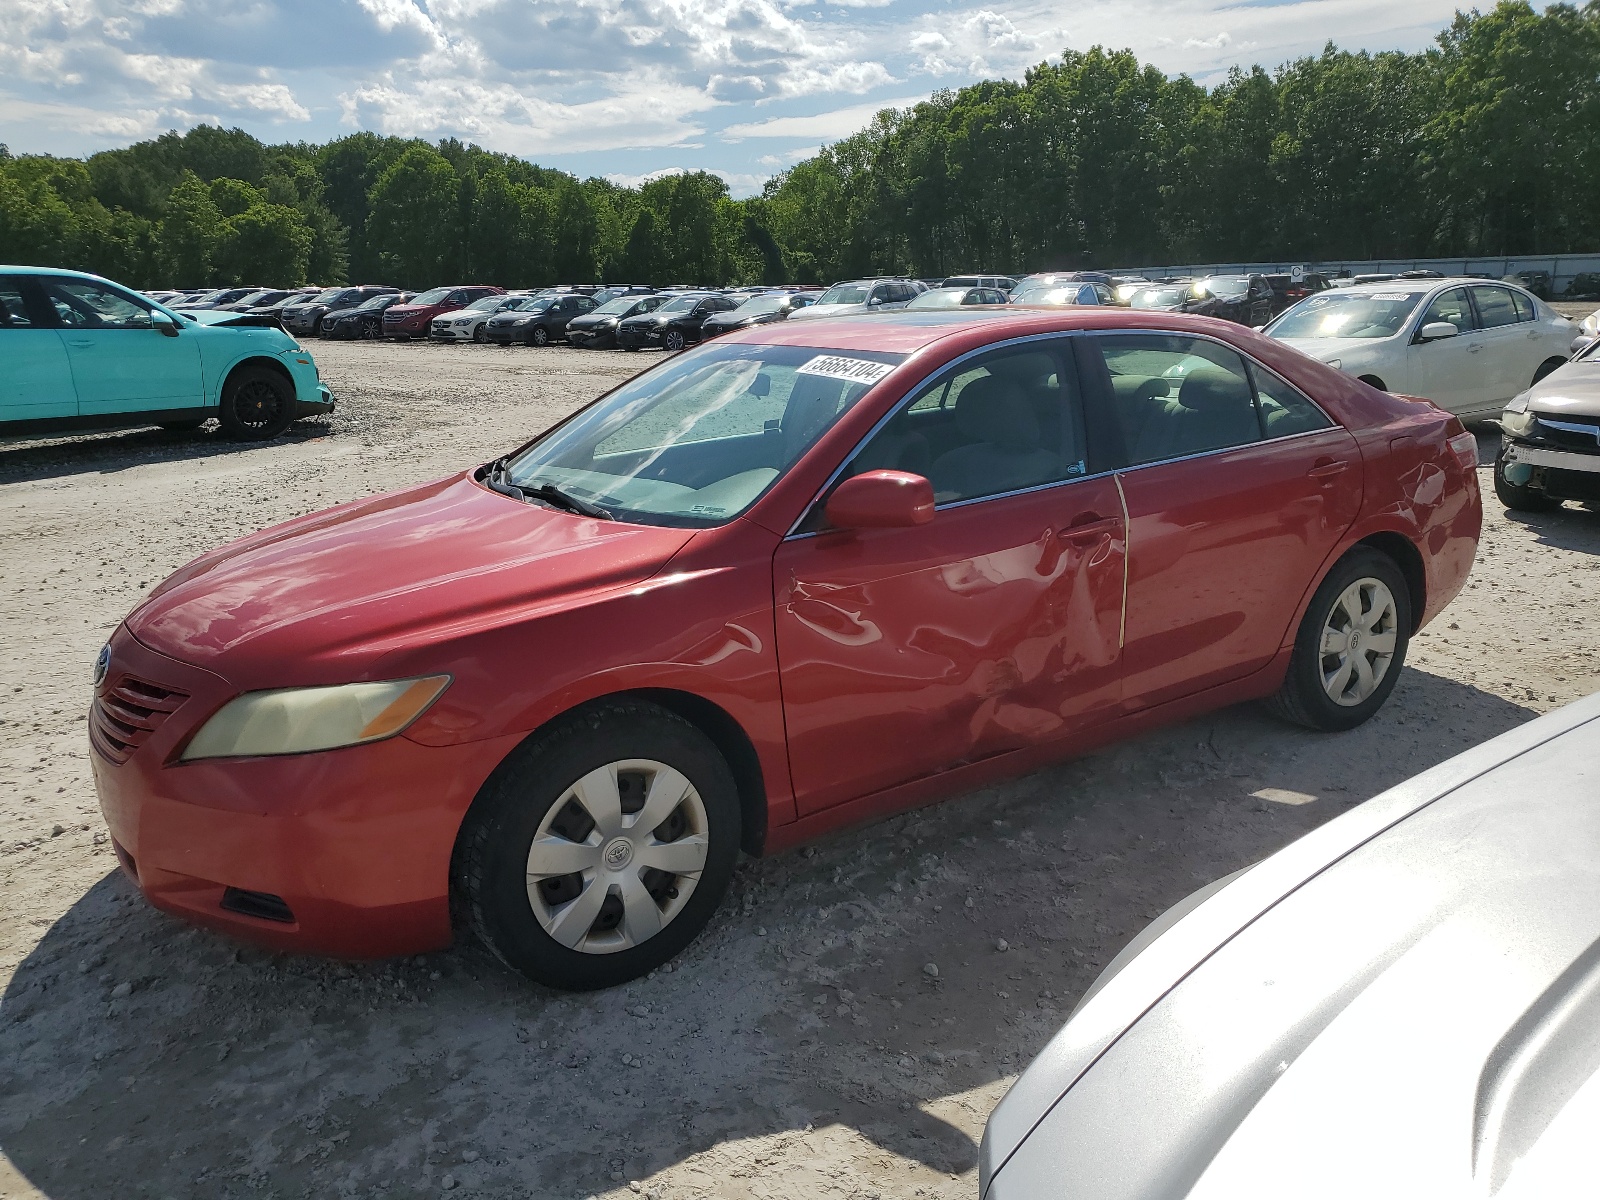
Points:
[(1488, 142)]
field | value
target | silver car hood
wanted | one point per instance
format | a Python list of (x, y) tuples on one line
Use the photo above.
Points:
[(1405, 1002), (1572, 390)]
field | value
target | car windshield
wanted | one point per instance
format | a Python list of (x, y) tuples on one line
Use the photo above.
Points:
[(845, 293), (1347, 315), (1226, 287), (953, 297), (537, 304), (1160, 297), (681, 304), (756, 305), (375, 302), (1045, 290), (696, 441), (617, 307), (327, 297), (431, 296)]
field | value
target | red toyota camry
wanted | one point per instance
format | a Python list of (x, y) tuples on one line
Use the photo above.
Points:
[(801, 577)]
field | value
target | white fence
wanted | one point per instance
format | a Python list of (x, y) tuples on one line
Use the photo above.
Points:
[(1560, 267)]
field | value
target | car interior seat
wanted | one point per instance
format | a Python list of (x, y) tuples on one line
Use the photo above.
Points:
[(1002, 448)]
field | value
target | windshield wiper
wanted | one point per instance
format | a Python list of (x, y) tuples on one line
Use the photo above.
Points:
[(557, 497)]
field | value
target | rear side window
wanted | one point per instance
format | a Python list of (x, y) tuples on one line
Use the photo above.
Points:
[(1284, 411), (1175, 396), (1495, 306), (1524, 305)]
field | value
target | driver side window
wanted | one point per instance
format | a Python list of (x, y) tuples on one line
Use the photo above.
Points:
[(1009, 421), (83, 305), (1453, 306)]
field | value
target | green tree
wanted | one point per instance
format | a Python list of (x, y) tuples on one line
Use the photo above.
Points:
[(414, 222), (265, 244), (190, 230)]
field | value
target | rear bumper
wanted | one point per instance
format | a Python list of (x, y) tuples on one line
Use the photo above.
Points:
[(355, 843)]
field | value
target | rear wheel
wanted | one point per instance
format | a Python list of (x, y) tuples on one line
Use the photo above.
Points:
[(601, 847), (1351, 645), (1519, 496), (257, 403), (538, 336)]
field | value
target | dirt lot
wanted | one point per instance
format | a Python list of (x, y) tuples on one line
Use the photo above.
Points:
[(798, 1050)]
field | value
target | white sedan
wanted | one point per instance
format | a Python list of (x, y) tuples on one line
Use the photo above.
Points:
[(466, 324), (1466, 344)]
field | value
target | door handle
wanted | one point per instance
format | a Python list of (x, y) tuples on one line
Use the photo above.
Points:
[(1327, 468), (79, 343), (1090, 527)]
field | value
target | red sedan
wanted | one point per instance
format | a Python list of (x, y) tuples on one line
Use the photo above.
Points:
[(804, 576)]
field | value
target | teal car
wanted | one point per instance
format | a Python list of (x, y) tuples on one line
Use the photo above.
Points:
[(80, 352)]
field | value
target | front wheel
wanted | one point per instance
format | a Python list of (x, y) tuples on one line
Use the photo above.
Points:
[(600, 848), (479, 336), (257, 404), (673, 340), (1521, 495), (538, 336), (1351, 645)]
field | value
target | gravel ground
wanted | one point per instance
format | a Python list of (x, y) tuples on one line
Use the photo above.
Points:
[(842, 1030)]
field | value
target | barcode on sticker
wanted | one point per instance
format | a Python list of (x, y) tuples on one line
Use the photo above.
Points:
[(1391, 296), (856, 370)]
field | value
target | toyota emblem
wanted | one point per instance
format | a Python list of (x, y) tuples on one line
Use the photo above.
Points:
[(102, 665)]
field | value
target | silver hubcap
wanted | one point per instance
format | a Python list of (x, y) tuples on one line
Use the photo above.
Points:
[(1358, 641), (617, 857)]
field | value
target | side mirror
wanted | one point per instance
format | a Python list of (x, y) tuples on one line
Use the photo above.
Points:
[(164, 324), (881, 500), (875, 301), (1434, 330)]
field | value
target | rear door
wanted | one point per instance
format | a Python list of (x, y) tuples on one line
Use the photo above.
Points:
[(996, 626), (120, 361), (1237, 488), (35, 377)]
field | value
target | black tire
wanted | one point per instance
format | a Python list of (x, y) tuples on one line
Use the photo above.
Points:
[(1519, 497), (490, 868), (1303, 699), (673, 340), (1546, 367), (538, 336), (1374, 381), (257, 404), (185, 426), (479, 336), (371, 331)]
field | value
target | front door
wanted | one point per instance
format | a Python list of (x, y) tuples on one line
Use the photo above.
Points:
[(120, 361), (1237, 489), (905, 652), (1510, 356), (35, 381), (1451, 371)]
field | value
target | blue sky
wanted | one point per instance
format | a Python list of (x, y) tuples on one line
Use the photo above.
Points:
[(621, 88)]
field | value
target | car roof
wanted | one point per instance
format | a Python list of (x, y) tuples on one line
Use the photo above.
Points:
[(1422, 285)]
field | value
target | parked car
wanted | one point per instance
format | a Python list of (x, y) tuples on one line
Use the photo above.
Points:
[(617, 290), (402, 322), (306, 319), (859, 296), (758, 310), (542, 320), (1246, 299), (1287, 290), (1537, 282), (364, 321), (959, 297), (256, 299), (81, 352), (216, 298), (803, 575), (1585, 285), (1055, 290), (1125, 287), (1399, 1004), (274, 309), (1550, 448), (1168, 296), (676, 323), (597, 329), (467, 324), (1467, 346), (1003, 282)]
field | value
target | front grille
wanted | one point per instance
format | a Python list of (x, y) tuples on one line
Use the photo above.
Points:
[(264, 906), (1582, 436), (121, 720)]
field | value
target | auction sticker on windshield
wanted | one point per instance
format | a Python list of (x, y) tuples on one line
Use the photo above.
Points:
[(857, 370), (1392, 296)]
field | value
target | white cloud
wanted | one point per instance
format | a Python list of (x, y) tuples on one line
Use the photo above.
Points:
[(841, 122)]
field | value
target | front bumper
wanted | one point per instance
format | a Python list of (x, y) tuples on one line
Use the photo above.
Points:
[(405, 329), (450, 333), (355, 843), (323, 403), (592, 339), (505, 335), (639, 339), (1560, 460)]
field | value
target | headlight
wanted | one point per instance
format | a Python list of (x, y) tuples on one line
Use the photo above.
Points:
[(1518, 404), (297, 720)]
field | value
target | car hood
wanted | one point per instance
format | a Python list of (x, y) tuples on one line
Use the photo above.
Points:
[(830, 310), (414, 310), (217, 316), (1323, 349), (1572, 390), (1401, 1003), (590, 321), (324, 597)]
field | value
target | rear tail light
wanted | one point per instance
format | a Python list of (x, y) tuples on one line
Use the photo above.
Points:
[(1465, 447)]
